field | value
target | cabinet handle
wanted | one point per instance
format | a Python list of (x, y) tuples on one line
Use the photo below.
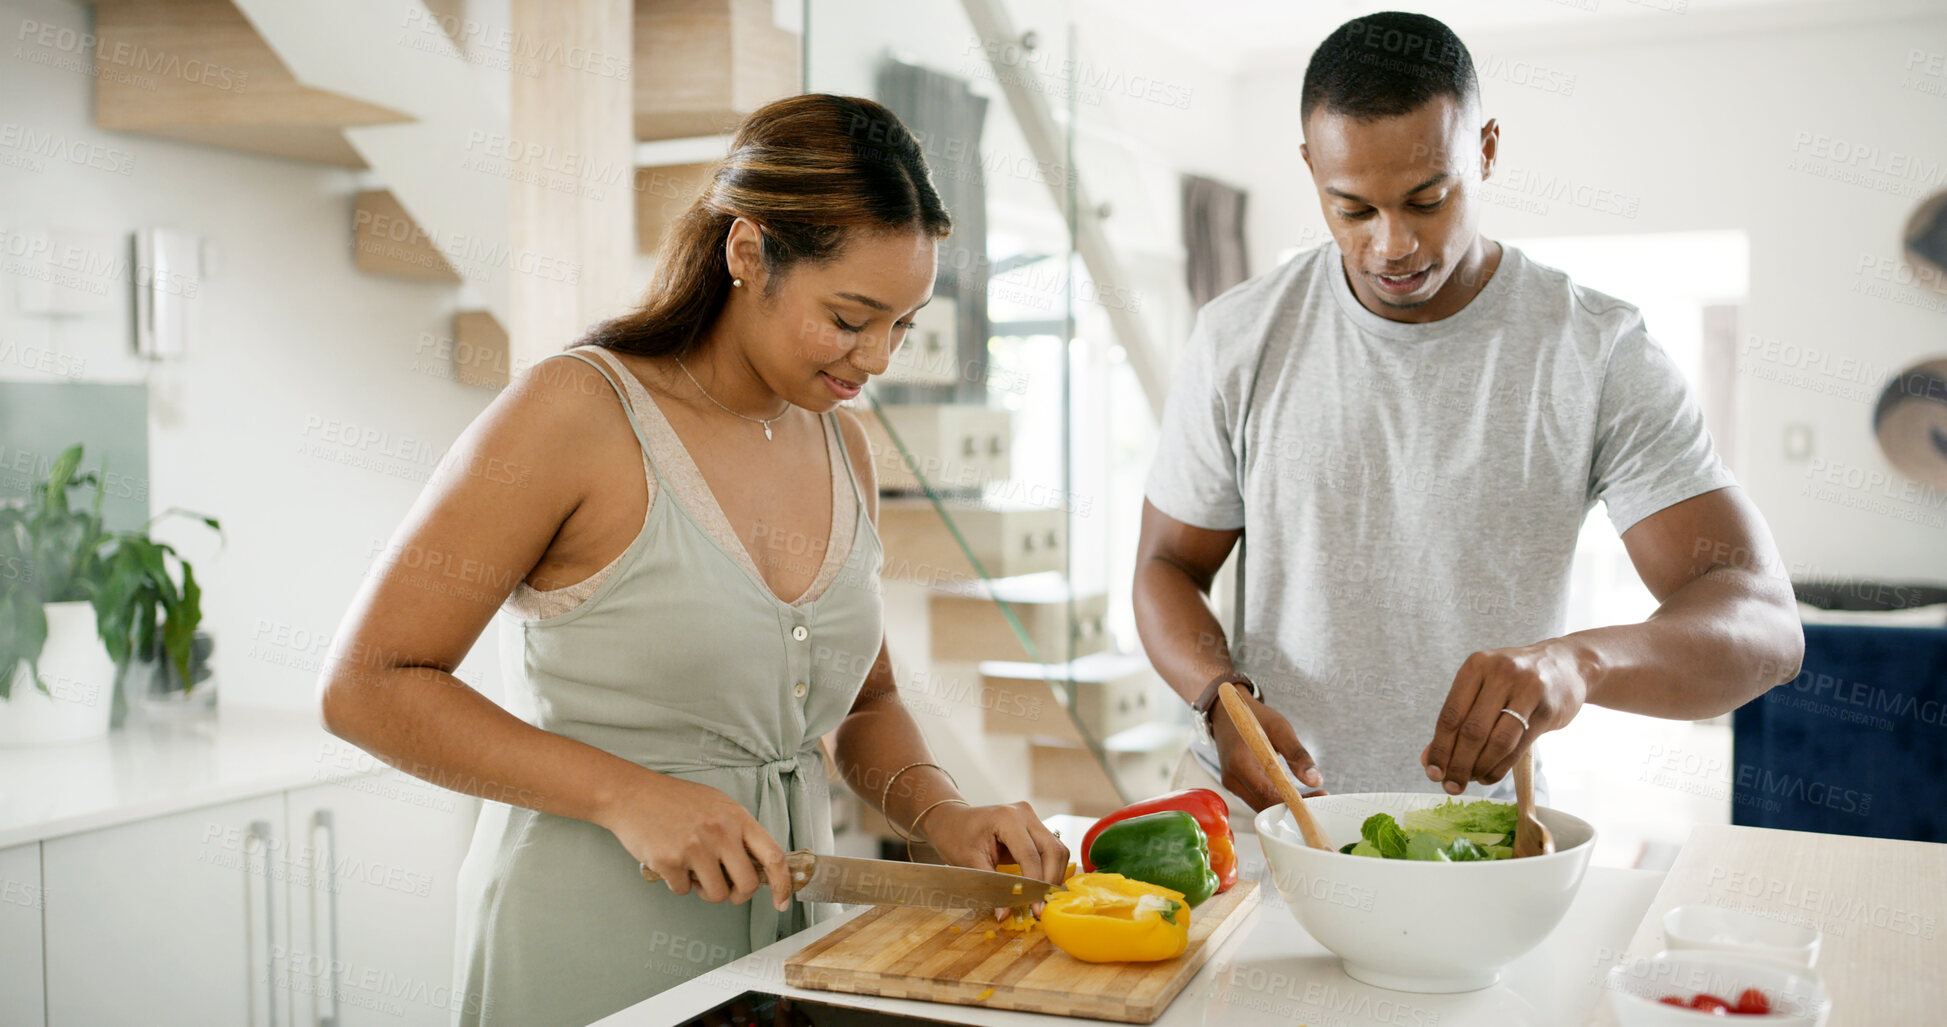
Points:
[(321, 820), (261, 831)]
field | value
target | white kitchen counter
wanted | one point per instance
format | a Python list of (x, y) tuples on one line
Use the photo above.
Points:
[(1269, 972), (151, 769)]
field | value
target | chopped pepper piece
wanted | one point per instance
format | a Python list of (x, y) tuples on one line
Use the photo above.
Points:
[(1109, 918), (1212, 814), (1015, 869), (1166, 848)]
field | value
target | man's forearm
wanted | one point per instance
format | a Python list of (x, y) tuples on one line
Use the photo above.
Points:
[(1713, 645), (1178, 629)]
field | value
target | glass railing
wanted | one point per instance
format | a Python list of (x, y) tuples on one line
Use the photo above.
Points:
[(1011, 433)]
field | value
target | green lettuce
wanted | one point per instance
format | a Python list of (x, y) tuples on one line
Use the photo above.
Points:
[(1385, 835), (1453, 818), (1452, 832), (1428, 846)]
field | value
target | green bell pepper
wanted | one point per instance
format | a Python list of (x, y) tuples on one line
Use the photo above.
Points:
[(1167, 849)]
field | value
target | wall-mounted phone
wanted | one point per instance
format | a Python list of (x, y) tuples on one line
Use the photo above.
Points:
[(166, 270)]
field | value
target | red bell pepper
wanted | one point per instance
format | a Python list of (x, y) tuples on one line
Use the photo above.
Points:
[(1212, 814)]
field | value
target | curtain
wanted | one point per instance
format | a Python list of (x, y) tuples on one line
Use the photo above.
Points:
[(1213, 236), (947, 116)]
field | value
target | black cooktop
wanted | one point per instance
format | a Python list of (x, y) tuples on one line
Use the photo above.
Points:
[(761, 1009)]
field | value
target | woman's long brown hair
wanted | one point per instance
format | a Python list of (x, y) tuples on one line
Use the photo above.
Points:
[(808, 170)]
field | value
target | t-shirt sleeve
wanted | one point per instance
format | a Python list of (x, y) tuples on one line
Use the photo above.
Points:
[(1194, 476), (1652, 449)]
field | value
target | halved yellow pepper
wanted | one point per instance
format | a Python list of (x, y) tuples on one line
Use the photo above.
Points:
[(1109, 918)]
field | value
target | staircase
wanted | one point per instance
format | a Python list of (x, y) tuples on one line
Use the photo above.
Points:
[(524, 165)]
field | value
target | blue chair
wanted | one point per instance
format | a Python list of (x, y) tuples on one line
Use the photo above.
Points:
[(1856, 744)]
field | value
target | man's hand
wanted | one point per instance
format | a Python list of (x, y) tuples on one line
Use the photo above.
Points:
[(1242, 775), (1473, 740)]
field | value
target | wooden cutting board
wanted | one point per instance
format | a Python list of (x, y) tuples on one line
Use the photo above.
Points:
[(1880, 905), (948, 956)]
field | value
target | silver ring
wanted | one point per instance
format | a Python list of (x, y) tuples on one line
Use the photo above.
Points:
[(1517, 716)]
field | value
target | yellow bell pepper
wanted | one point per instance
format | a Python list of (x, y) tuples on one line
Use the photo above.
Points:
[(1109, 918)]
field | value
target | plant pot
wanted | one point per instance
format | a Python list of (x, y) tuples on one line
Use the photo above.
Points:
[(152, 690), (77, 672)]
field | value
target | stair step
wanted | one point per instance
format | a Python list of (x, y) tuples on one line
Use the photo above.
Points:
[(701, 65), (967, 625), (1009, 541), (957, 447), (387, 241), (1113, 692), (662, 195), (1143, 759), (242, 98)]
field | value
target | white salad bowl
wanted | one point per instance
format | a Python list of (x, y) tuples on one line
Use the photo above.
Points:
[(1420, 926)]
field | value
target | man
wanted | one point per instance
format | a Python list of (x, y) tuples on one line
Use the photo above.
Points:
[(1408, 425)]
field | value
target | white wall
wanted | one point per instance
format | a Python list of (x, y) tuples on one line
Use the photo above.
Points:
[(1729, 124), (265, 423)]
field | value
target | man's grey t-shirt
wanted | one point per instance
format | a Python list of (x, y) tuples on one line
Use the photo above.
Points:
[(1412, 493)]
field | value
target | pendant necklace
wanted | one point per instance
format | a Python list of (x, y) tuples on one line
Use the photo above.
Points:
[(766, 422)]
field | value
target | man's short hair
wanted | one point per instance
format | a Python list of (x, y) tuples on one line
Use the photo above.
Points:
[(1387, 64)]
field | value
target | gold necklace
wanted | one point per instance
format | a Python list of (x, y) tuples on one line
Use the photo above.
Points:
[(706, 395)]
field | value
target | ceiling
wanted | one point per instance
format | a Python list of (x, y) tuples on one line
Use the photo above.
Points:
[(1248, 34)]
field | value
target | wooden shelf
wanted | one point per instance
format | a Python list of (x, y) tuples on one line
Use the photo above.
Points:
[(701, 65), (227, 87)]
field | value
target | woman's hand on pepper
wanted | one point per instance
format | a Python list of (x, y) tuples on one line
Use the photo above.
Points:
[(984, 837)]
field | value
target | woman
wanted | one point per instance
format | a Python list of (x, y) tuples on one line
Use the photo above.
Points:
[(678, 521)]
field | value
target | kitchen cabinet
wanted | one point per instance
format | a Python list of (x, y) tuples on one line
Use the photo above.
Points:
[(21, 994), (372, 868), (170, 920), (331, 903)]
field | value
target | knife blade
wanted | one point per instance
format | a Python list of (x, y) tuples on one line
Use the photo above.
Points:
[(884, 882)]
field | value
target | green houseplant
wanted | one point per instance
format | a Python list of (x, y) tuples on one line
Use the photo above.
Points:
[(52, 551)]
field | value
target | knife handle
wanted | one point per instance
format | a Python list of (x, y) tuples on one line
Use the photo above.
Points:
[(800, 862)]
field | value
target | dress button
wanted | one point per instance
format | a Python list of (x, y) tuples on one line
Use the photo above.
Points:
[(798, 689), (800, 633)]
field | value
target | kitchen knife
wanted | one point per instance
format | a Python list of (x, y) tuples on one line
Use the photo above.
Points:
[(884, 882)]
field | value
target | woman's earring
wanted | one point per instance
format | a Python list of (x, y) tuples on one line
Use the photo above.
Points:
[(737, 283)]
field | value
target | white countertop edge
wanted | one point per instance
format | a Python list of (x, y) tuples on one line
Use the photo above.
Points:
[(141, 771), (1629, 891), (162, 806)]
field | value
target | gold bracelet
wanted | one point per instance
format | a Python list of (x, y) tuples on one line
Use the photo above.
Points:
[(914, 832), (885, 795)]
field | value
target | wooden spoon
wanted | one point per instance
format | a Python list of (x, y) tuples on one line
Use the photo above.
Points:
[(1267, 757), (1531, 837)]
